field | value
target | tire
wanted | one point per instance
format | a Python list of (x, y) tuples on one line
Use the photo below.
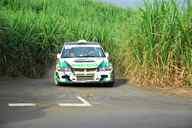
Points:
[(55, 81), (110, 84)]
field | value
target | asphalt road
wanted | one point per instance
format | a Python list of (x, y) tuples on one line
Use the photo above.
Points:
[(122, 106)]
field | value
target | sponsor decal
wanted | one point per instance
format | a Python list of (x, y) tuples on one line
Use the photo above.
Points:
[(85, 65)]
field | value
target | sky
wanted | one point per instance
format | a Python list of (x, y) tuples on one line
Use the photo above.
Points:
[(127, 3)]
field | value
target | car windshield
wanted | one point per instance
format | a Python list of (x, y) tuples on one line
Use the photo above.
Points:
[(74, 52)]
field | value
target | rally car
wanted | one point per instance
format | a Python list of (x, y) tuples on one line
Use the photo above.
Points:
[(83, 62)]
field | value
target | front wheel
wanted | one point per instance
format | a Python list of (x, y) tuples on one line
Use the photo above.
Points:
[(56, 82), (110, 84)]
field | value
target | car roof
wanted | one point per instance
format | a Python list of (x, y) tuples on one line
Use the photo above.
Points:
[(82, 42)]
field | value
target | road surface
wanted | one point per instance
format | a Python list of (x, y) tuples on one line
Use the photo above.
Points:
[(37, 103)]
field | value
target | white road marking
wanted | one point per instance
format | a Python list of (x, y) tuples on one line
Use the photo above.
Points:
[(84, 104), (83, 100), (21, 105)]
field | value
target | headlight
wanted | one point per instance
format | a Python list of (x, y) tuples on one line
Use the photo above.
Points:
[(64, 69), (106, 69)]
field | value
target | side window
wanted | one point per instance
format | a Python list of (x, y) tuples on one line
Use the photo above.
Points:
[(64, 53)]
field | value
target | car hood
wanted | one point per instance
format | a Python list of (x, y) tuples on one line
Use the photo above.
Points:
[(84, 62)]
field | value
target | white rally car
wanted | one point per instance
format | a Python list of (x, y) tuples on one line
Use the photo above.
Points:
[(83, 62)]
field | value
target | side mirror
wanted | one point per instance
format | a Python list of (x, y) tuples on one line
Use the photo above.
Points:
[(107, 54), (58, 56)]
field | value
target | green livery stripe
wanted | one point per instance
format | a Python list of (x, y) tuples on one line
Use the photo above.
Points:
[(63, 64), (105, 64)]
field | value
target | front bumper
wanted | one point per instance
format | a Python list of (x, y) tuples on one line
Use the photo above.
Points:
[(96, 77)]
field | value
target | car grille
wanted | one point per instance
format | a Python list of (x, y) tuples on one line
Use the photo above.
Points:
[(78, 70), (84, 70), (84, 74), (85, 78)]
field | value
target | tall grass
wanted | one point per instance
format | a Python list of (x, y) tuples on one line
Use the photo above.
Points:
[(151, 45), (161, 51), (36, 29)]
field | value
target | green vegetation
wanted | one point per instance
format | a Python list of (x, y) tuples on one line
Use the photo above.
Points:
[(36, 29), (161, 46), (152, 45)]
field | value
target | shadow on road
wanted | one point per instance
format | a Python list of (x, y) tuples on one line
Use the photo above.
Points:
[(118, 83)]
